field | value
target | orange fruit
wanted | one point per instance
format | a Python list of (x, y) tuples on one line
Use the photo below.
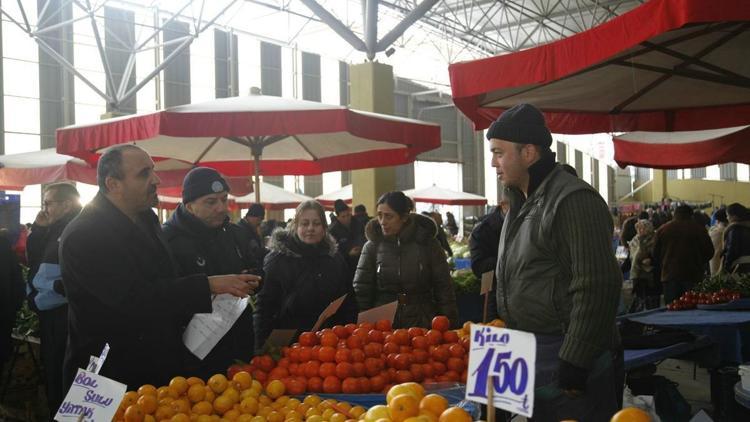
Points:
[(222, 404), (231, 415), (218, 383), (164, 412), (428, 416), (249, 406), (162, 392), (134, 413), (233, 394), (131, 397), (195, 380), (275, 417), (147, 389), (196, 393), (454, 414), (412, 388), (243, 379), (178, 384), (337, 417), (403, 407), (210, 395), (180, 406), (433, 403), (149, 418), (203, 408), (148, 403), (180, 417), (631, 414), (275, 389)]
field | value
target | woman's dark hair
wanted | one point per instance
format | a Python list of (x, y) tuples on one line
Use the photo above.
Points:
[(398, 202), (738, 210), (721, 216)]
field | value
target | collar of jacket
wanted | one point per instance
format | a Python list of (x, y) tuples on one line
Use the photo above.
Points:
[(183, 221), (117, 219), (540, 170), (286, 243), (417, 228)]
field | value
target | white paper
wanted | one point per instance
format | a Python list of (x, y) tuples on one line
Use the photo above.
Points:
[(205, 330), (510, 357), (387, 312), (486, 285), (328, 312), (92, 397)]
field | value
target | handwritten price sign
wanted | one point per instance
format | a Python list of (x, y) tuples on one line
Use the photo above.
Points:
[(92, 397), (503, 360)]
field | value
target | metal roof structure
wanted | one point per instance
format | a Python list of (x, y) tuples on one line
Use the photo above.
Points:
[(443, 31)]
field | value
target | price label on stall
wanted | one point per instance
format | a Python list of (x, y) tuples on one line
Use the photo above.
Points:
[(503, 360)]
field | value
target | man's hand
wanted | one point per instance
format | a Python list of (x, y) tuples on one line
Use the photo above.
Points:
[(571, 379), (42, 219), (239, 285), (355, 251)]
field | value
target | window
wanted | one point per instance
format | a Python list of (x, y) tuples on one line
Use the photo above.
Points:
[(728, 171), (176, 73), (562, 155), (310, 77), (226, 64), (698, 173), (119, 39), (270, 69)]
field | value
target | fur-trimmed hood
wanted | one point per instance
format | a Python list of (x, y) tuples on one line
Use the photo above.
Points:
[(286, 243), (418, 228)]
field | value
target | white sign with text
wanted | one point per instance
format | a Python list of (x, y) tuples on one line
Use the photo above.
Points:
[(504, 360), (92, 397)]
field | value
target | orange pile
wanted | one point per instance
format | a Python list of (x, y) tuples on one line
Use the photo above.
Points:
[(408, 403), (240, 399), (366, 358)]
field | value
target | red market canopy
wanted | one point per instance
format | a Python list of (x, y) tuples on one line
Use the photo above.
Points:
[(327, 199), (47, 166), (675, 150), (668, 65), (438, 195), (260, 135)]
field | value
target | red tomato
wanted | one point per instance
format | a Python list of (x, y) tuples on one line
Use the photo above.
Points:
[(401, 337), (441, 323), (419, 342), (308, 339), (434, 337), (383, 325), (350, 386), (331, 385), (416, 331)]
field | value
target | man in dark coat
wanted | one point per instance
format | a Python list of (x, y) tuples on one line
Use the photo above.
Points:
[(556, 274), (203, 240), (250, 228), (360, 215), (682, 250), (121, 283), (347, 233), (45, 290), (483, 248)]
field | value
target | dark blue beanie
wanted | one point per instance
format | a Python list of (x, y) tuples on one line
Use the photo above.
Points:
[(202, 181), (521, 124)]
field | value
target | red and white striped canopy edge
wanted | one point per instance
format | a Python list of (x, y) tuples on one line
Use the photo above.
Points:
[(675, 150), (437, 195)]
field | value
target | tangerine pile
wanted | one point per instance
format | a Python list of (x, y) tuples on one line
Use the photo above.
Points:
[(408, 403), (240, 399), (366, 358)]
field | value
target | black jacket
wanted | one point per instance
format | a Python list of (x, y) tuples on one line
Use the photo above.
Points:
[(198, 249), (255, 246), (483, 243), (11, 294), (412, 263), (736, 245), (347, 238), (45, 289), (301, 280), (123, 289)]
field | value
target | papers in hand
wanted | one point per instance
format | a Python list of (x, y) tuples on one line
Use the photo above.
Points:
[(205, 330)]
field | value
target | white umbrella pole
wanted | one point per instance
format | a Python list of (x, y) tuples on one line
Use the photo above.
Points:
[(256, 157)]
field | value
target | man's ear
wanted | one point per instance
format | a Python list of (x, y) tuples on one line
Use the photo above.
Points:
[(112, 184)]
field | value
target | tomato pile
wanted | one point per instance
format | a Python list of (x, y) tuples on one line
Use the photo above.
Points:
[(690, 299), (365, 358)]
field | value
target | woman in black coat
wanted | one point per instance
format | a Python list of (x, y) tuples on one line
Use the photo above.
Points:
[(304, 272)]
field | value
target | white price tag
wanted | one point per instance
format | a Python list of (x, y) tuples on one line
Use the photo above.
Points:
[(486, 285), (504, 359), (92, 397)]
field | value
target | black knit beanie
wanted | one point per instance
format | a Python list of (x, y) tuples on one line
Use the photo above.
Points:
[(521, 124), (340, 206), (202, 181)]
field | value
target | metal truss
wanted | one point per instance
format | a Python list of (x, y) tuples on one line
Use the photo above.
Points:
[(116, 94)]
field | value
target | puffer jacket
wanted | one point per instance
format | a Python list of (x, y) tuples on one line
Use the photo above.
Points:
[(410, 268), (301, 280)]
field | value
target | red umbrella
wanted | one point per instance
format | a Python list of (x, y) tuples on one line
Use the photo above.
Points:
[(260, 135), (668, 65), (327, 199), (438, 195), (47, 166), (675, 150)]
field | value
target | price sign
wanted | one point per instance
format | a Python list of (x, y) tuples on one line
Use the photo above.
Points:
[(92, 397), (503, 360)]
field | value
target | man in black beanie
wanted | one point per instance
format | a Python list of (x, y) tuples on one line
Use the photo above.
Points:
[(346, 231), (203, 240), (250, 229), (556, 274)]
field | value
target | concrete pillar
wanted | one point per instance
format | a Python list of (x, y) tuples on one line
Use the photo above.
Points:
[(372, 90), (659, 190)]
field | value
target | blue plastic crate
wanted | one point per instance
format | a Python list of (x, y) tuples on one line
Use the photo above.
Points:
[(462, 263)]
